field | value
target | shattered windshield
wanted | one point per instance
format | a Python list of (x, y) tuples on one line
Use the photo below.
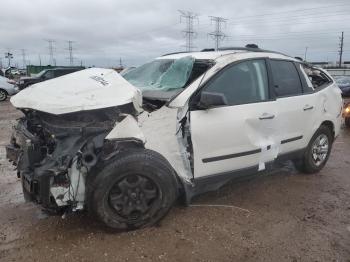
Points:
[(161, 74)]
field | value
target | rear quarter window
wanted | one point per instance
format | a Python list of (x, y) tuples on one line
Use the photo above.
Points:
[(317, 77), (285, 78)]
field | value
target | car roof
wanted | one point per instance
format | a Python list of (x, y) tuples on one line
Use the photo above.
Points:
[(237, 53)]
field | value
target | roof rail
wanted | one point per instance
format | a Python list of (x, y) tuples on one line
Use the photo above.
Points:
[(207, 50), (249, 49), (180, 52)]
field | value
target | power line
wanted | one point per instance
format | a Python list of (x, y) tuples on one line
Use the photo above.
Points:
[(52, 59), (189, 32), (290, 11), (70, 49), (24, 58), (217, 35), (341, 45)]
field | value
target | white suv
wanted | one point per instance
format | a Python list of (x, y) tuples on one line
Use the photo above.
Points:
[(88, 141)]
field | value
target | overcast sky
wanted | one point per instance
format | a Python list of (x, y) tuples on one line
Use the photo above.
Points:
[(138, 30)]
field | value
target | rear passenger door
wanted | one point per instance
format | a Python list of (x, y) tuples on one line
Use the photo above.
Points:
[(295, 105)]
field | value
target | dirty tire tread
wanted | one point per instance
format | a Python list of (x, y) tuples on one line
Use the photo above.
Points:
[(5, 95), (305, 164), (139, 160)]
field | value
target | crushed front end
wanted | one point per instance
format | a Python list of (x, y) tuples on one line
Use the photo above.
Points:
[(53, 154)]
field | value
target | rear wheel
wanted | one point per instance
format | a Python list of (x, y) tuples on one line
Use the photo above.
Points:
[(135, 190), (317, 152), (3, 95)]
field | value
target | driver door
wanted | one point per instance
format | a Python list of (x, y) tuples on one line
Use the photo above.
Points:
[(241, 134)]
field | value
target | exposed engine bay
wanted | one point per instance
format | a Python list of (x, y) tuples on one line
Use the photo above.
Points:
[(54, 153), (59, 147)]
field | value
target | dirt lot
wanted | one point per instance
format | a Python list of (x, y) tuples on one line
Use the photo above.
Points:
[(280, 216)]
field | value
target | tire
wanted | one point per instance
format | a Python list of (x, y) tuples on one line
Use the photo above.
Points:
[(308, 164), (26, 195), (3, 95), (134, 190), (347, 121)]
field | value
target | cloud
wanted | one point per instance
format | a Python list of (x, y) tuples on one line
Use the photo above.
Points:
[(136, 31)]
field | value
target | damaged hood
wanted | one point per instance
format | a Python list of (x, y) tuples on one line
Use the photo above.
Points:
[(88, 89)]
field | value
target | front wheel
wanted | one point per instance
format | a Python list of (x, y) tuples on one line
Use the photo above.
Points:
[(317, 153), (134, 190), (3, 95)]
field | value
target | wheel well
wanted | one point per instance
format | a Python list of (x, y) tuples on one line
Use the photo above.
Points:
[(329, 125), (4, 91)]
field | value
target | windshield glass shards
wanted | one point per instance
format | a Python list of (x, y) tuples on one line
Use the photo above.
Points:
[(161, 74)]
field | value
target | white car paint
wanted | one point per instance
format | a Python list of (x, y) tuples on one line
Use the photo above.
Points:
[(127, 128), (214, 132), (88, 89), (8, 87), (223, 137)]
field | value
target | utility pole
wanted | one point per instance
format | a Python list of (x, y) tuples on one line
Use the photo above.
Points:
[(39, 56), (189, 33), (24, 62), (305, 53), (217, 35), (9, 56), (50, 42), (341, 46), (70, 49)]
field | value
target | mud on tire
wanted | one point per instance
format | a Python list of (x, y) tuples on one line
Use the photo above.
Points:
[(308, 164), (3, 95), (136, 189)]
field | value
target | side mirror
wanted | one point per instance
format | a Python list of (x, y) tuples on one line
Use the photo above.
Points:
[(208, 100)]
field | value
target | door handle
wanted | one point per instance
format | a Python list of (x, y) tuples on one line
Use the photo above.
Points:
[(308, 107), (266, 116)]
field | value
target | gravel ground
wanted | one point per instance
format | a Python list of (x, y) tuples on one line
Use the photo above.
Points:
[(279, 216)]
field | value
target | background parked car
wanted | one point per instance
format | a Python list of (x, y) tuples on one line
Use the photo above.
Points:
[(7, 88), (127, 70), (344, 85), (45, 75), (11, 72), (346, 114)]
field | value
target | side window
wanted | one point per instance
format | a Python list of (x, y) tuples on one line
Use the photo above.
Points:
[(317, 78), (49, 74), (246, 82), (59, 73), (286, 78)]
